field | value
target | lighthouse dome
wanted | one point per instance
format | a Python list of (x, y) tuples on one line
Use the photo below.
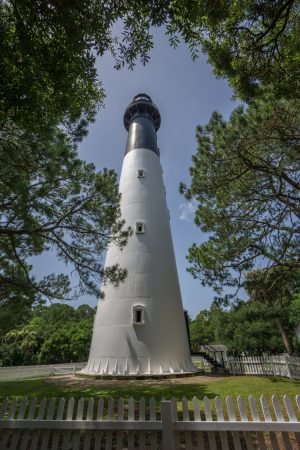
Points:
[(143, 97), (142, 106)]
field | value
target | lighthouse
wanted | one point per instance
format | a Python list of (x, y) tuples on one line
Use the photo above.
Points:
[(139, 328)]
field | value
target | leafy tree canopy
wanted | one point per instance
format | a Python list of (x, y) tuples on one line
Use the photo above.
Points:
[(53, 334), (201, 330), (51, 200), (275, 288), (246, 180), (49, 49), (254, 44), (246, 327)]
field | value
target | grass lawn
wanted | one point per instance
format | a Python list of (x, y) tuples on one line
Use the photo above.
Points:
[(232, 385), (199, 387)]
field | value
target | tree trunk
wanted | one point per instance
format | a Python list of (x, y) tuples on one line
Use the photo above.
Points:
[(286, 340)]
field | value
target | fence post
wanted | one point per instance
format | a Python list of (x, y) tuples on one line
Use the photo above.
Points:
[(167, 425)]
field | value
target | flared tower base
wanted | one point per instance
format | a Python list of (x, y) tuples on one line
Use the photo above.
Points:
[(145, 377)]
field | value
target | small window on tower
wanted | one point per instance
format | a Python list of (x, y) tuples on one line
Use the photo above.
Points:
[(140, 227), (141, 173), (138, 315)]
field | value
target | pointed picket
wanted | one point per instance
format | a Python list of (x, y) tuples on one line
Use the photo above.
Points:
[(268, 418), (175, 417), (67, 433), (232, 418), (13, 409), (11, 415), (46, 433), (88, 433), (110, 415), (197, 418), (279, 417), (220, 417), (244, 418), (255, 416), (120, 417), (3, 412), (59, 416), (131, 417), (26, 434), (186, 417), (153, 434), (208, 417), (79, 416), (99, 416), (16, 433), (3, 408), (292, 415), (36, 433), (142, 416)]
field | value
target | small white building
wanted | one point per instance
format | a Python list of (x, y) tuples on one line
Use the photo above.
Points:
[(139, 328)]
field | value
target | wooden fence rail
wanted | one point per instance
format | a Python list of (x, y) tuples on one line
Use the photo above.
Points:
[(283, 366), (89, 424)]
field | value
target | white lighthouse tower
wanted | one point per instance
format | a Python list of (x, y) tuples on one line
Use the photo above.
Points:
[(139, 328)]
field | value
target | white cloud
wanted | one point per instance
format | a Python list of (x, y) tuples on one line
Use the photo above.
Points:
[(187, 210)]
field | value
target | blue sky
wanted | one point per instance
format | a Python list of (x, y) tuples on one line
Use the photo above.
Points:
[(186, 94)]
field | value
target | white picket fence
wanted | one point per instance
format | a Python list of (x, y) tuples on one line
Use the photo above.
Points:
[(23, 372), (283, 366), (89, 424)]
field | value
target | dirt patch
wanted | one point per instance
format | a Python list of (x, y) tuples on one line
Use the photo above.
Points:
[(74, 381)]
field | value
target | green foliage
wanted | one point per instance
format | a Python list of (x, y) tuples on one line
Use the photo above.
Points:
[(11, 355), (49, 50), (51, 200), (264, 324), (70, 343), (276, 288), (254, 44), (246, 327), (15, 301), (57, 333), (200, 328), (246, 180), (253, 331)]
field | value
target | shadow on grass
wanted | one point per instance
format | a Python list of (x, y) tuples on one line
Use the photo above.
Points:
[(41, 388), (158, 391), (282, 380)]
